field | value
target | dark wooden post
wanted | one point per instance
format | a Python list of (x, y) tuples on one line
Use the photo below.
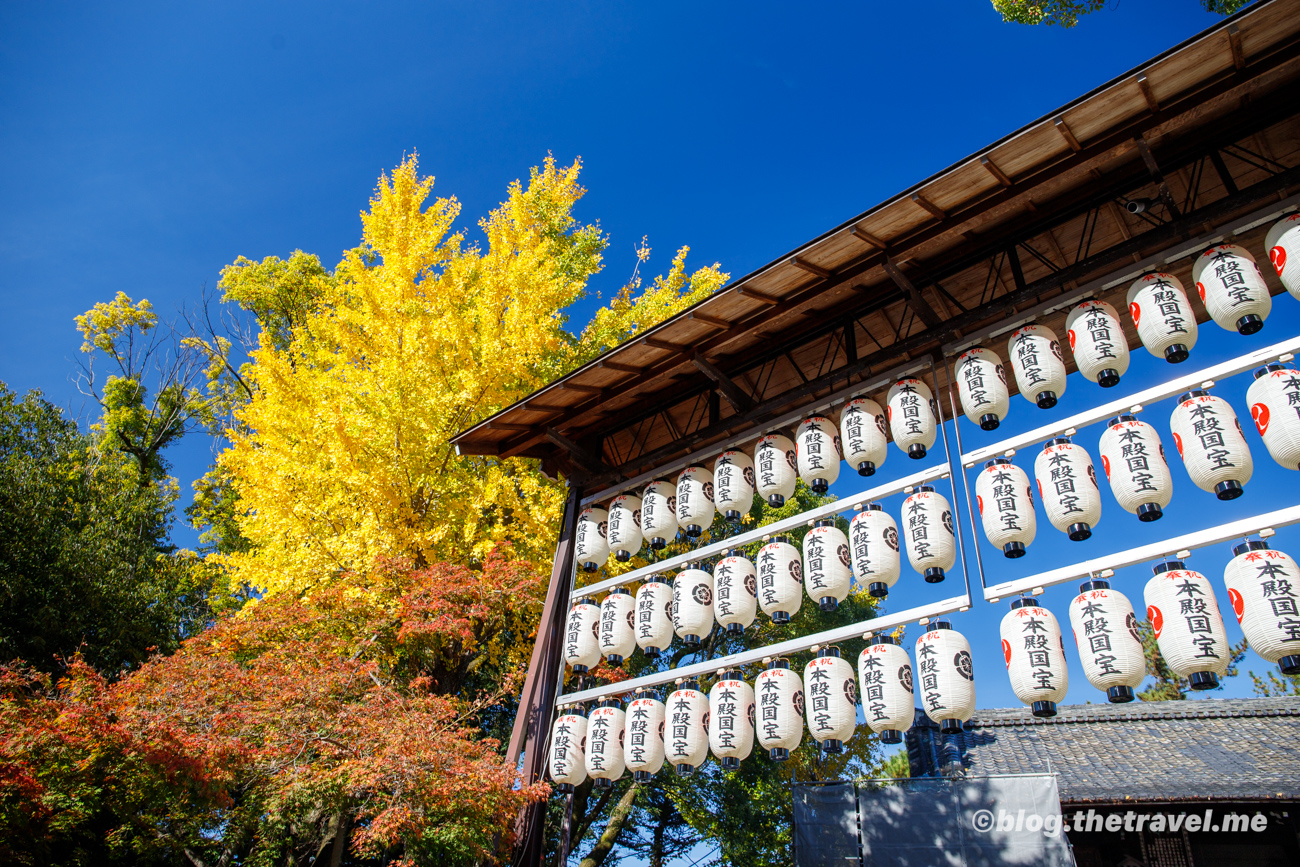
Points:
[(541, 686)]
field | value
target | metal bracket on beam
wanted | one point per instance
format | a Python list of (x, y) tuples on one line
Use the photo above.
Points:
[(914, 298), (737, 398), (1156, 175)]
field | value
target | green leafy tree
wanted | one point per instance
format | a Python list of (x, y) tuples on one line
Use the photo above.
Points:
[(1066, 13), (1168, 686), (1271, 686), (85, 563)]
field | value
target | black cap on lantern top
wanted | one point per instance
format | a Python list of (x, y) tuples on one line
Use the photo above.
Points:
[(1119, 694), (866, 468), (621, 591), (1024, 602), (1108, 378), (1094, 584), (996, 461), (1057, 441), (883, 639), (1013, 550), (689, 683), (934, 575), (781, 538), (1229, 490), (941, 624), (776, 501), (1121, 418), (734, 674), (950, 727), (778, 663), (989, 421), (916, 451), (1202, 680), (1079, 532), (1195, 392), (1169, 565), (1177, 353), (1249, 545), (925, 489), (877, 589), (1045, 399), (824, 522), (1043, 709), (873, 507), (820, 486), (1290, 664), (1266, 369), (1250, 323), (891, 736), (1148, 512), (830, 650)]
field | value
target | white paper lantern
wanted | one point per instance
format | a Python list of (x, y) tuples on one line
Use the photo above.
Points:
[(945, 676), (817, 453), (1038, 363), (1274, 399), (1097, 340), (1233, 290), (1211, 444), (643, 740), (693, 605), (1006, 506), (911, 416), (625, 526), (1035, 653), (779, 695), (568, 763), (1264, 589), (863, 435), (695, 500), (928, 529), (731, 720), (659, 514), (618, 625), (1106, 634), (826, 565), (1283, 246), (605, 743), (1189, 629), (687, 741), (733, 484), (591, 545), (775, 468), (1067, 483), (1134, 460), (873, 539), (582, 636), (830, 699), (1162, 315), (982, 387), (654, 617), (735, 592), (885, 683), (780, 580)]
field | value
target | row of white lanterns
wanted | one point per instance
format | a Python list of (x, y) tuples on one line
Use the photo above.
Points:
[(1227, 279), (1263, 588), (775, 582)]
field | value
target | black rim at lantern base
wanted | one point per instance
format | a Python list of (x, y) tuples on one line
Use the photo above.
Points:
[(891, 736), (1119, 694), (691, 640), (1044, 708), (614, 659), (590, 567), (651, 652), (642, 776), (878, 589), (1012, 550), (1250, 323), (934, 575), (828, 603), (603, 783), (735, 629), (830, 745), (780, 618), (1203, 680), (564, 788), (778, 754), (579, 669), (1079, 532), (1046, 399), (916, 451), (694, 530), (989, 421), (1177, 353), (622, 556), (950, 727), (733, 515), (1148, 512), (776, 501), (1108, 378), (866, 468), (1229, 490), (730, 763), (684, 770), (1290, 664), (820, 487), (658, 543)]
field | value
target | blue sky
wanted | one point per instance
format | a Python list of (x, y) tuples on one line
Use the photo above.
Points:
[(145, 146)]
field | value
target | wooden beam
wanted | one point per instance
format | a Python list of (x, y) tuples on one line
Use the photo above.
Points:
[(737, 398), (621, 368), (545, 407), (755, 295), (662, 344), (588, 462), (1145, 87), (709, 320), (1156, 175), (935, 211), (867, 238), (502, 425), (1234, 45), (917, 303), (1063, 128), (996, 172), (585, 389), (805, 265)]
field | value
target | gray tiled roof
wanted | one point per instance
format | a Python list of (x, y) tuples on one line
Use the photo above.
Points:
[(1225, 749)]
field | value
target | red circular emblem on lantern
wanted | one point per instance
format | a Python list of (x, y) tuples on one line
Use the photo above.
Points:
[(1259, 412), (1136, 312), (1105, 465), (1157, 619), (980, 501), (1070, 335), (1040, 487), (1006, 651), (1200, 290), (1238, 604), (1178, 441), (1278, 255)]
